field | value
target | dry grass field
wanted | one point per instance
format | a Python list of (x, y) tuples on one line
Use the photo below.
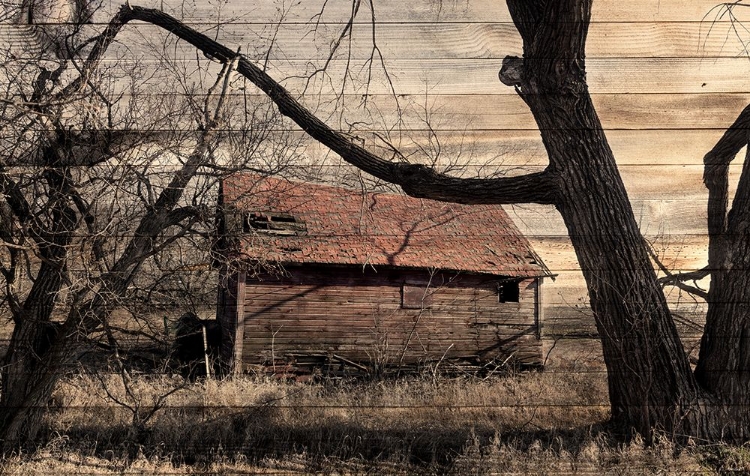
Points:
[(537, 422), (550, 422)]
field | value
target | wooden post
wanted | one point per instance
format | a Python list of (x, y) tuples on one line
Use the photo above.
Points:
[(539, 308), (205, 350), (239, 320)]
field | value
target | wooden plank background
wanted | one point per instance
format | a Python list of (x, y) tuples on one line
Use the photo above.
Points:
[(667, 77)]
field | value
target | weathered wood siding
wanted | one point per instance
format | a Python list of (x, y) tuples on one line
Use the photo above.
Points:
[(346, 313), (229, 306)]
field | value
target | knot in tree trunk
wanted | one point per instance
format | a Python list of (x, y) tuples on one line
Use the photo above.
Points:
[(511, 72)]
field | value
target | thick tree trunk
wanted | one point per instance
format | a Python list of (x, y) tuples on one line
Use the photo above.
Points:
[(724, 365), (40, 353), (650, 381), (28, 373), (31, 376)]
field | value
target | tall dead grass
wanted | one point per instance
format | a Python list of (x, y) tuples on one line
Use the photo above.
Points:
[(526, 423)]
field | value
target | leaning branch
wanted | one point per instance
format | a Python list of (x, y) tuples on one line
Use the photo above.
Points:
[(162, 215), (678, 279), (716, 178), (416, 180), (734, 139)]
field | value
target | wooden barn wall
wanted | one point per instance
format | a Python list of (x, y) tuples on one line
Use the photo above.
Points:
[(344, 312), (667, 77), (230, 304)]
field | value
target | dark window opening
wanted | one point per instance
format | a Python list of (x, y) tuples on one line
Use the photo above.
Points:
[(508, 292), (282, 219), (275, 224), (415, 297)]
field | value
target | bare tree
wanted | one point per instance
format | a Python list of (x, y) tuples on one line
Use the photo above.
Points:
[(108, 194), (651, 384)]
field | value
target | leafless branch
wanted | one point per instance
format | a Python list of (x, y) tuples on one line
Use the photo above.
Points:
[(678, 279), (416, 180)]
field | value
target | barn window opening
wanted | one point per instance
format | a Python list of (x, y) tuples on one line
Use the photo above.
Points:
[(415, 297), (273, 224), (508, 292)]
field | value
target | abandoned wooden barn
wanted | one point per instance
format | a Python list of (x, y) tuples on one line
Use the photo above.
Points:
[(318, 275)]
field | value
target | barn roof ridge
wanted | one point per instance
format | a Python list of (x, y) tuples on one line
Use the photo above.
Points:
[(291, 222)]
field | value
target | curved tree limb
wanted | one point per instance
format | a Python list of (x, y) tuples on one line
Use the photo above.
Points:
[(716, 178), (416, 180)]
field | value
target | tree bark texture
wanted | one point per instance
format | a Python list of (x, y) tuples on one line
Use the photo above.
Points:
[(28, 372), (724, 363), (650, 381)]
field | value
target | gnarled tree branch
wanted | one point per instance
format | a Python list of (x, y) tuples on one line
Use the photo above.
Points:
[(416, 180), (716, 178)]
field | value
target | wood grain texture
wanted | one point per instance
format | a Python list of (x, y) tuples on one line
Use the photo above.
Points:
[(479, 76), (499, 113), (421, 41), (455, 40), (423, 11), (360, 316)]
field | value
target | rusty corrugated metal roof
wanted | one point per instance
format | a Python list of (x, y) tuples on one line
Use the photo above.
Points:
[(347, 227)]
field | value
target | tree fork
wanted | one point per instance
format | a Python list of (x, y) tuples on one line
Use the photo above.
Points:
[(650, 381)]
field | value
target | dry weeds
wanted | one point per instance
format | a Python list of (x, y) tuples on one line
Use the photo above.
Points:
[(540, 423)]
